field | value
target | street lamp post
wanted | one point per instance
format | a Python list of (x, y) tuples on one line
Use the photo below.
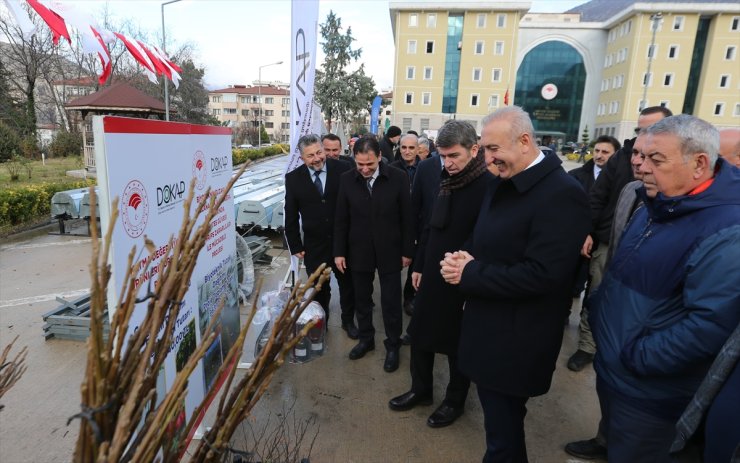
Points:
[(655, 20), (164, 78), (259, 93)]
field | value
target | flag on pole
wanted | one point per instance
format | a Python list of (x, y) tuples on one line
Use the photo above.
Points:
[(174, 70), (53, 20), (304, 24), (139, 55), (21, 18)]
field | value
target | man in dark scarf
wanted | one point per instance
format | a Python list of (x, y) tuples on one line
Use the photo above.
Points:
[(435, 323)]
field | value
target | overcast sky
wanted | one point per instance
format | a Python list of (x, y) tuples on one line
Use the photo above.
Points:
[(234, 37)]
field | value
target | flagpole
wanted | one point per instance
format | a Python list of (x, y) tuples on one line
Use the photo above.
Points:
[(164, 78)]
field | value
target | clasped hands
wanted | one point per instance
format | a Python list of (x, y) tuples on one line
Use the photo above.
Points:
[(453, 265)]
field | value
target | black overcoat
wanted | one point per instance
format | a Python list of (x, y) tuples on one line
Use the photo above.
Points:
[(438, 306), (585, 175), (525, 244), (374, 232), (316, 213), (423, 193)]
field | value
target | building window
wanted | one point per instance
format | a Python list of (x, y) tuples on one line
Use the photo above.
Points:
[(678, 23), (493, 101), (410, 72), (229, 110), (430, 46), (481, 22), (479, 47), (424, 124), (216, 112), (255, 112), (476, 74), (406, 124), (286, 101), (629, 26), (647, 79), (496, 75), (245, 113), (269, 100), (735, 23), (413, 20), (724, 81), (668, 80), (427, 73), (501, 20), (652, 49), (736, 113), (409, 97), (285, 125), (285, 113), (474, 98), (269, 112), (216, 99), (499, 48), (431, 21), (243, 99), (269, 125), (673, 52), (426, 98), (664, 103), (730, 52), (411, 48), (719, 109)]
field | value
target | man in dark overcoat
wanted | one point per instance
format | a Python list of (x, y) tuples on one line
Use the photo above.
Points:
[(310, 203), (374, 231), (517, 274), (438, 308)]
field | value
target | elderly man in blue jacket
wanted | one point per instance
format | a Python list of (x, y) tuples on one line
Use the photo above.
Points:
[(670, 297)]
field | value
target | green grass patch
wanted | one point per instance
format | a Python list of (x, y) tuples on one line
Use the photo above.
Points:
[(53, 171)]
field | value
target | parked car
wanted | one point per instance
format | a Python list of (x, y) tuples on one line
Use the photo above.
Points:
[(246, 147)]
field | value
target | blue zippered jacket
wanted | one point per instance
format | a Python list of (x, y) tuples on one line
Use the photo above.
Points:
[(671, 295)]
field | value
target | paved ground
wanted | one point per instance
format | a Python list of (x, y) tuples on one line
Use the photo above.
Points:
[(347, 399)]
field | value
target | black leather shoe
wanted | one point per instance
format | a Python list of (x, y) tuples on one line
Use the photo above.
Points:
[(444, 416), (579, 360), (406, 339), (351, 330), (587, 449), (408, 401), (391, 361), (362, 348)]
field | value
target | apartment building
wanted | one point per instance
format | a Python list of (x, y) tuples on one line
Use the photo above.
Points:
[(239, 106), (453, 60), (583, 69)]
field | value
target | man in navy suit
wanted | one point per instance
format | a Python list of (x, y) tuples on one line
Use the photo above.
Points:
[(374, 231), (311, 195)]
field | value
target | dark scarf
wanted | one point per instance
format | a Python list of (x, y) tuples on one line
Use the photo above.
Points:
[(441, 213)]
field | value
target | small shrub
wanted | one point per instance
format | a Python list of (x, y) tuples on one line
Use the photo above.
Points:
[(30, 148), (240, 156), (14, 167), (19, 205), (66, 144)]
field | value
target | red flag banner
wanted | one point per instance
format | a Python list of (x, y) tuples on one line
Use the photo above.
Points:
[(54, 21), (506, 97)]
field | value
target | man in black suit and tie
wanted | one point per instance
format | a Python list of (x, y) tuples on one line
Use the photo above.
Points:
[(374, 230), (332, 146), (311, 194)]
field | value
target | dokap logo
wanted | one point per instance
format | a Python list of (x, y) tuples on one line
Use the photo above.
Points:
[(134, 208), (199, 170), (170, 193), (219, 164)]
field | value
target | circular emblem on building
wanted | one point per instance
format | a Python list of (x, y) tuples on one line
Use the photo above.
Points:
[(134, 208), (549, 91), (199, 170)]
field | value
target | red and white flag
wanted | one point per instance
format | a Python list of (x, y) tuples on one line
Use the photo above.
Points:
[(174, 69), (54, 21), (91, 35), (139, 55)]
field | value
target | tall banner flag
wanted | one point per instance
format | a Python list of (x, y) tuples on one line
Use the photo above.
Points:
[(374, 115), (304, 24)]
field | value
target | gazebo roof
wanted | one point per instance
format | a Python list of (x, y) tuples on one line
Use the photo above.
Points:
[(118, 98)]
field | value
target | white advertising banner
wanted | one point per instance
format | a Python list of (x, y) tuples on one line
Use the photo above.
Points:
[(304, 25), (148, 165)]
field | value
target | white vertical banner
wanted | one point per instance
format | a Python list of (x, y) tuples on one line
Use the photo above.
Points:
[(304, 26)]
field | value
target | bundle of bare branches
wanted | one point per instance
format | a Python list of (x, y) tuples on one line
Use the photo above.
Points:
[(120, 419), (11, 371)]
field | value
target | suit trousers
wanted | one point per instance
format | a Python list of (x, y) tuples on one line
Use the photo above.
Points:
[(422, 377), (503, 420), (408, 288), (346, 294), (390, 302), (596, 273)]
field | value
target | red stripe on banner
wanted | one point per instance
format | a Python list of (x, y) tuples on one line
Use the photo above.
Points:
[(134, 125)]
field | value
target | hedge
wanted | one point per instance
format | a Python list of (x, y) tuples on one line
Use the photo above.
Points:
[(240, 156), (19, 205)]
